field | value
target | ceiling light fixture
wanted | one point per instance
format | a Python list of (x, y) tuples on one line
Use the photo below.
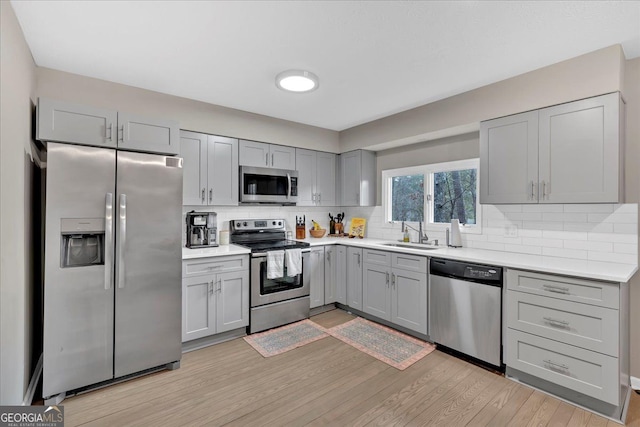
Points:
[(297, 81)]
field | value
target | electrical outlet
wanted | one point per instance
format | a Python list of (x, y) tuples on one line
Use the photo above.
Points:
[(511, 231)]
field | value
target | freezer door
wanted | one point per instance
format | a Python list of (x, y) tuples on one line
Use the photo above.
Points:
[(148, 262), (78, 282)]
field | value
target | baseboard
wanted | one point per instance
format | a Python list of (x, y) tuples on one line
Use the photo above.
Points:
[(635, 383), (31, 390)]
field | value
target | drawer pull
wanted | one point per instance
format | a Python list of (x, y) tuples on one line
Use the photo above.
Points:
[(213, 267), (556, 322), (556, 366), (556, 289)]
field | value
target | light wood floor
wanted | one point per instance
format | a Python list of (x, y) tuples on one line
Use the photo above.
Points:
[(323, 383)]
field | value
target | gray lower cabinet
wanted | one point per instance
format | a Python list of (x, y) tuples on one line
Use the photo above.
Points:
[(316, 178), (396, 294), (263, 155), (354, 277), (210, 169), (316, 272), (215, 296), (568, 335), (341, 274), (330, 274), (357, 183), (62, 121), (568, 153)]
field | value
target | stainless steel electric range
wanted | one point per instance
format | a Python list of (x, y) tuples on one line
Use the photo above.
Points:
[(274, 302)]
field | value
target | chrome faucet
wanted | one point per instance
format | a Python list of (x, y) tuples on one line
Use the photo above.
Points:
[(422, 238)]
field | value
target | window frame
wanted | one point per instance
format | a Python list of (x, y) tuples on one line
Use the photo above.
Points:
[(428, 172)]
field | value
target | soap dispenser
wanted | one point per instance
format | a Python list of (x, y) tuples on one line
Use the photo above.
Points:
[(405, 237)]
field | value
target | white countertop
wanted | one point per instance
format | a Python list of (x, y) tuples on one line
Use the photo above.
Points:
[(571, 267), (221, 250)]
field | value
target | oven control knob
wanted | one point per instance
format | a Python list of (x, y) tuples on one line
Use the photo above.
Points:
[(273, 223), (237, 224), (279, 222), (244, 223)]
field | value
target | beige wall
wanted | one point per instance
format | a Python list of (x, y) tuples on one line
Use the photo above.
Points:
[(592, 74), (17, 86), (460, 147), (631, 94), (193, 115)]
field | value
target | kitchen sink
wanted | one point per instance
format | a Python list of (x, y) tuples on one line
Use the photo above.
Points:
[(409, 246)]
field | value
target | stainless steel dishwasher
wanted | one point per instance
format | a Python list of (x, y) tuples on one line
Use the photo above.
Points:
[(465, 308)]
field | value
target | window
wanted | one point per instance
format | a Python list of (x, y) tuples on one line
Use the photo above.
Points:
[(433, 193)]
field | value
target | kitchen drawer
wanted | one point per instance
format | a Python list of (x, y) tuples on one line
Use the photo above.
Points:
[(582, 325), (198, 266), (587, 372), (376, 257), (567, 288), (409, 262)]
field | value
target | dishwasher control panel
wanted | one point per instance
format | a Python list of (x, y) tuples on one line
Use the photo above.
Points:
[(465, 271)]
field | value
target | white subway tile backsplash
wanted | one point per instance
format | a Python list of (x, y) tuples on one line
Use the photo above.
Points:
[(565, 253), (521, 249), (599, 208), (602, 227), (549, 243), (625, 228), (566, 235), (613, 257), (506, 240), (589, 245), (626, 208), (542, 208), (523, 216), (486, 245), (612, 237), (564, 217), (625, 248), (541, 225)]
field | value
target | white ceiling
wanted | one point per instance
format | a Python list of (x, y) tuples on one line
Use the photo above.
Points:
[(373, 58)]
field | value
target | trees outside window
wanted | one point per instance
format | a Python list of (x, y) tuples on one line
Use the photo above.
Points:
[(433, 193)]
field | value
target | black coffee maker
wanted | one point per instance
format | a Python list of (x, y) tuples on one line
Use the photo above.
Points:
[(202, 229)]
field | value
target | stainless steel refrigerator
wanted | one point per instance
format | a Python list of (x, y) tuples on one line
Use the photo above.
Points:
[(112, 286)]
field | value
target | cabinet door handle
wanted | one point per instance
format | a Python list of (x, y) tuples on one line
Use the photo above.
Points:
[(328, 256), (544, 190), (556, 322), (319, 198), (210, 195), (532, 195), (119, 130), (203, 191), (211, 287), (358, 259), (393, 280), (554, 365), (266, 159), (219, 285), (110, 128), (387, 279), (272, 160), (555, 289)]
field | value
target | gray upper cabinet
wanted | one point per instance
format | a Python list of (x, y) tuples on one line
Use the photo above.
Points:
[(568, 153), (137, 133), (509, 159), (263, 155), (580, 151), (316, 178), (60, 121), (210, 169), (80, 124), (222, 175), (357, 184)]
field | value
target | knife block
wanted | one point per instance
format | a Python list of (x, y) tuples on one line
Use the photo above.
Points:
[(301, 232)]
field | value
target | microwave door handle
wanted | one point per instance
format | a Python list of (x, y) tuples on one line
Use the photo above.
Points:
[(288, 185)]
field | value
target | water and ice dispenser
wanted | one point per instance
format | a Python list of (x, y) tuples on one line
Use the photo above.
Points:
[(81, 242)]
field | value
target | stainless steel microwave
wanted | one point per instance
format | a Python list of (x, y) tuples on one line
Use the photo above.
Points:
[(265, 185)]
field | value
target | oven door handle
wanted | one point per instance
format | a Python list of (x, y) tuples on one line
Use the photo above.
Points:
[(264, 254)]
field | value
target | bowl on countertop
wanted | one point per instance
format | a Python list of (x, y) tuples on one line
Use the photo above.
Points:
[(317, 233)]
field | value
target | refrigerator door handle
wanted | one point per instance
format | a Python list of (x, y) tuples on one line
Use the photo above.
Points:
[(108, 241), (122, 240)]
